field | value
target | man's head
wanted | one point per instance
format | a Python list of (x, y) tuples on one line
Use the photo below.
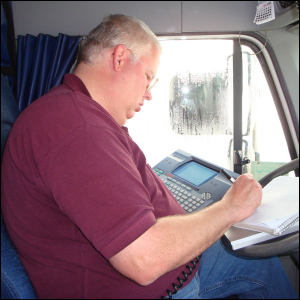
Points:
[(117, 62), (113, 31)]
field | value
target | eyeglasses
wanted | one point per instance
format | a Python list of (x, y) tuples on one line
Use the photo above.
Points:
[(154, 80)]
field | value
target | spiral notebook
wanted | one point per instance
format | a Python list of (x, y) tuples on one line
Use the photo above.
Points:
[(279, 207)]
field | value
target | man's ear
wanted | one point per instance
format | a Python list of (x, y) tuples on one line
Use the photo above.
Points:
[(119, 56)]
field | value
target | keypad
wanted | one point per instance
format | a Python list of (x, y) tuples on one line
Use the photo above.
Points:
[(182, 193)]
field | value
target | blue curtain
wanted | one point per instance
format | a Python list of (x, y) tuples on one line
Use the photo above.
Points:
[(5, 57), (42, 63)]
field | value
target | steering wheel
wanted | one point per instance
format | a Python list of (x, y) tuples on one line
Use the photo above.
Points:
[(280, 245)]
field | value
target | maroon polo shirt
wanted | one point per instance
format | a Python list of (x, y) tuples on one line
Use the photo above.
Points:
[(76, 190)]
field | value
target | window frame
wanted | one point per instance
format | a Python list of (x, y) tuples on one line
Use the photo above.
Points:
[(272, 72)]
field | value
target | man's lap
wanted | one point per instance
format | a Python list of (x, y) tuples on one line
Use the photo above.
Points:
[(222, 274)]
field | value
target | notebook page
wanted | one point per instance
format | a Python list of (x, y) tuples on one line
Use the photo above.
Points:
[(280, 200)]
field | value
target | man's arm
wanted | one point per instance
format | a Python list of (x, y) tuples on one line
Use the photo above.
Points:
[(174, 241)]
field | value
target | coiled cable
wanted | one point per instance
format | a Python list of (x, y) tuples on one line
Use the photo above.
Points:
[(180, 280)]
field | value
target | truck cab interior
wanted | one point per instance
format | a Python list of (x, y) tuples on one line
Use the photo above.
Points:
[(228, 91)]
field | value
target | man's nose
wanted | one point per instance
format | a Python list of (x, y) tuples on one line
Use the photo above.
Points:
[(147, 95)]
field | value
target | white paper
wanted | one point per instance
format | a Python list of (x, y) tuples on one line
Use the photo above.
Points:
[(280, 201)]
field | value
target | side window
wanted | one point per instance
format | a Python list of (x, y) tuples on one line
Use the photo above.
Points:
[(192, 108)]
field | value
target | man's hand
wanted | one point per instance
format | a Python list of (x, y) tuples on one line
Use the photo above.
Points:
[(243, 197)]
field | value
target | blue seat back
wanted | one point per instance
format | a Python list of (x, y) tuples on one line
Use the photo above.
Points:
[(15, 283)]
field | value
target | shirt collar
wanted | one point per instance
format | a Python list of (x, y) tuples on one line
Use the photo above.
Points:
[(76, 84)]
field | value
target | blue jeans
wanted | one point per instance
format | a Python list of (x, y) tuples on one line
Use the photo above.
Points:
[(222, 274)]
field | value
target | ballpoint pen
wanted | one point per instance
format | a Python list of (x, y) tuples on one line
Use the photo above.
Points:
[(229, 177)]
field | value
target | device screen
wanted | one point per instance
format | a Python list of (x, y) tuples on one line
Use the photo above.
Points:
[(195, 173)]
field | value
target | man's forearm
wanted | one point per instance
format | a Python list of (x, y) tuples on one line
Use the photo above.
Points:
[(174, 241), (186, 236)]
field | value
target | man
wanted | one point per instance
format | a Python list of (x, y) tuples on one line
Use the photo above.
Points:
[(89, 217)]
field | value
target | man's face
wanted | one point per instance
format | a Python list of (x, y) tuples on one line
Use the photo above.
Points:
[(140, 81)]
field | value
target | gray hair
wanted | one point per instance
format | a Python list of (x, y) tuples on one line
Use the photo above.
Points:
[(115, 30)]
